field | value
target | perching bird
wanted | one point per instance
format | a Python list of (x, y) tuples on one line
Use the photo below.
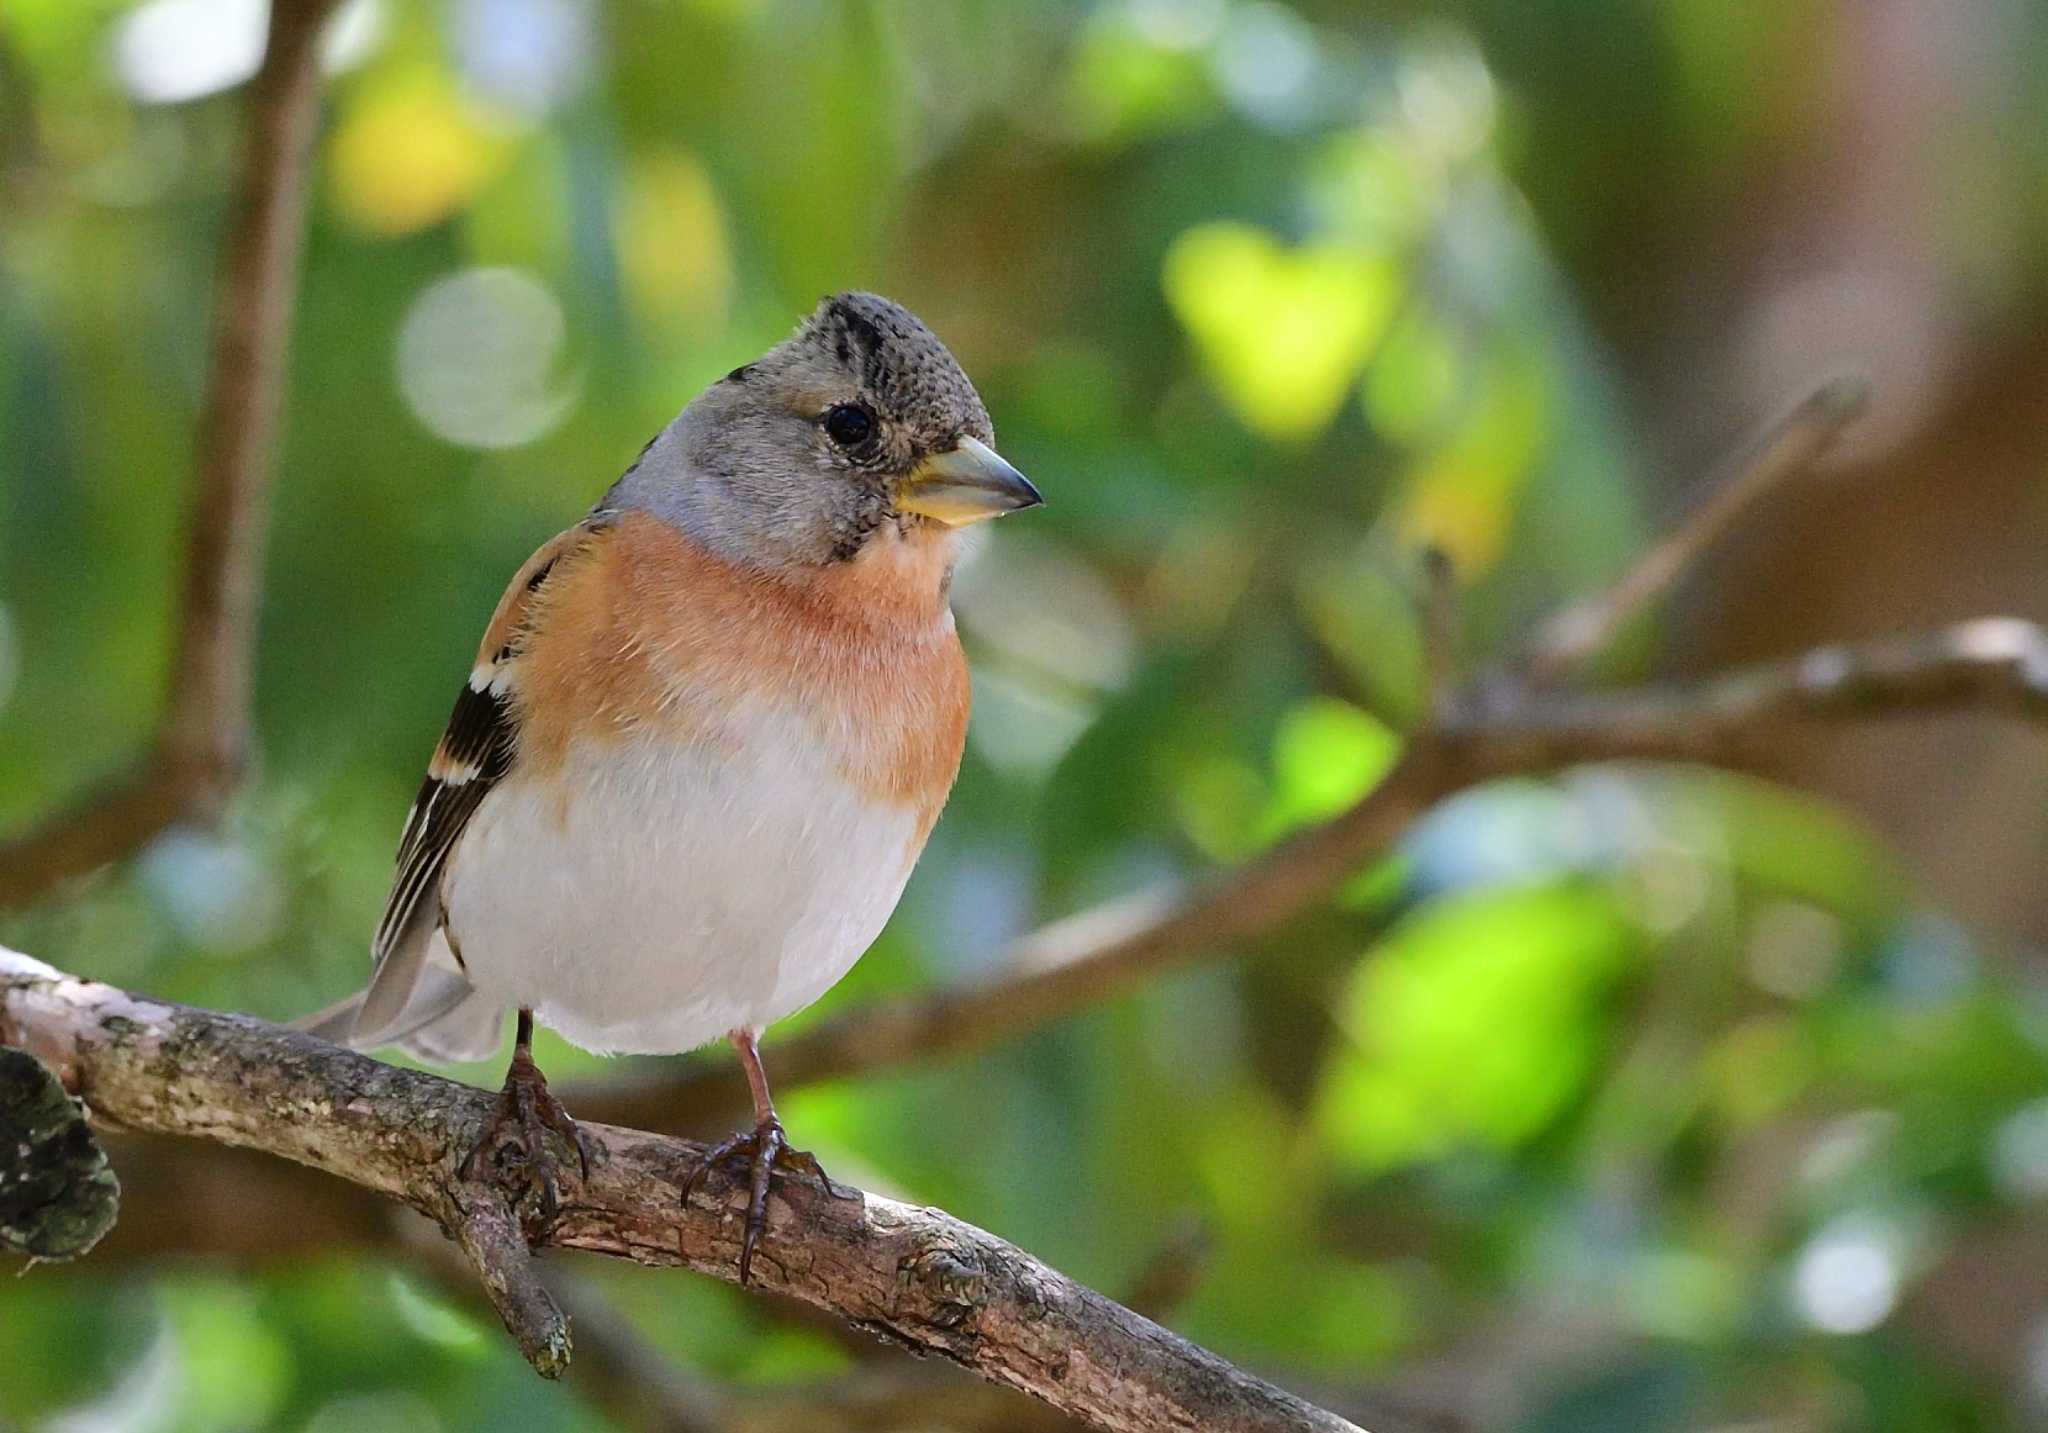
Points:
[(708, 731)]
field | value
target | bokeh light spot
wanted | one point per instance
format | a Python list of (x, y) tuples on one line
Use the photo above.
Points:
[(2019, 1152), (673, 245), (1847, 1278), (168, 51), (1795, 949), (478, 359), (1266, 64), (1446, 94), (214, 891), (527, 55), (1177, 24), (411, 152)]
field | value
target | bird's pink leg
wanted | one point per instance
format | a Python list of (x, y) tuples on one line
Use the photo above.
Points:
[(767, 1146), (747, 1044)]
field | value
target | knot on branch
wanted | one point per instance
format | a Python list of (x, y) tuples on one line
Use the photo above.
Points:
[(946, 1282)]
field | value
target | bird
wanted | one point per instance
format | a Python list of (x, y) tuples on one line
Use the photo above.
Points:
[(707, 733)]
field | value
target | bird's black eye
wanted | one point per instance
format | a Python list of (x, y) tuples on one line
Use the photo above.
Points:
[(849, 425)]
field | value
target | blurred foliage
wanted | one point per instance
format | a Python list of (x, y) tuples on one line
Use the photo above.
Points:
[(1670, 1069)]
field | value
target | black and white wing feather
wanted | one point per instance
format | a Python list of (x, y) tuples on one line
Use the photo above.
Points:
[(477, 750)]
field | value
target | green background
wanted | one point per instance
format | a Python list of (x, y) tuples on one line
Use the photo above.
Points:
[(1637, 1099)]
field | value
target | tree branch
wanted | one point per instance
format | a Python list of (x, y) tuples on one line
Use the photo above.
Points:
[(1784, 449), (202, 741), (1436, 615), (915, 1276), (640, 1388), (1990, 663)]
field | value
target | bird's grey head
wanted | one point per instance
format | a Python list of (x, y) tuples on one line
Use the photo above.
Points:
[(859, 425)]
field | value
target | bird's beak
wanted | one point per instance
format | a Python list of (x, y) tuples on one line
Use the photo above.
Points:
[(966, 485)]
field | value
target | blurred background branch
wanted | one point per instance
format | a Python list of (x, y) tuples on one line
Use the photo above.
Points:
[(1786, 448), (202, 744)]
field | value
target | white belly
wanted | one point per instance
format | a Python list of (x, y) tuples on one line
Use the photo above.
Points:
[(684, 892)]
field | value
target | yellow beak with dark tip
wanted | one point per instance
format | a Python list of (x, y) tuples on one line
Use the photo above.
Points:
[(966, 485)]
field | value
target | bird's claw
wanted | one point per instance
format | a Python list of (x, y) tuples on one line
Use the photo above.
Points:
[(525, 1114), (767, 1146)]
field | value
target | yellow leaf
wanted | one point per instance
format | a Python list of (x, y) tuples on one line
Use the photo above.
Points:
[(1462, 498), (1283, 333), (412, 152), (672, 241)]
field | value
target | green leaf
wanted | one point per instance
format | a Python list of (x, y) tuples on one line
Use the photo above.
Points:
[(1326, 755), (1123, 88), (1364, 616), (237, 1369), (1282, 333), (1477, 1023)]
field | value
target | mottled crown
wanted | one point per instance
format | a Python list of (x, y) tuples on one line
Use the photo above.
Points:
[(901, 364)]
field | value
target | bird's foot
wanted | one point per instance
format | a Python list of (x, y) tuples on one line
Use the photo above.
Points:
[(764, 1147), (525, 1114)]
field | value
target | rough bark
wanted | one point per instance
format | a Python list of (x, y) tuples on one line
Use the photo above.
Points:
[(916, 1276)]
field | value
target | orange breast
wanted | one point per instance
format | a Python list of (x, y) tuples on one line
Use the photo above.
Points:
[(645, 633)]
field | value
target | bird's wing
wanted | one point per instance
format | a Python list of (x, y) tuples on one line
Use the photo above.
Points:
[(474, 754)]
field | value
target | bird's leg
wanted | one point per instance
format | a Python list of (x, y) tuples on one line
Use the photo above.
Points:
[(767, 1146), (524, 1114)]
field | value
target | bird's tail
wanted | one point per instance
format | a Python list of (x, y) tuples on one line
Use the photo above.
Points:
[(444, 1023)]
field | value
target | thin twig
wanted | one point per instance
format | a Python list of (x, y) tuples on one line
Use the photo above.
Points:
[(489, 1235), (201, 747), (1785, 448), (1437, 614), (916, 1276), (1993, 664)]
